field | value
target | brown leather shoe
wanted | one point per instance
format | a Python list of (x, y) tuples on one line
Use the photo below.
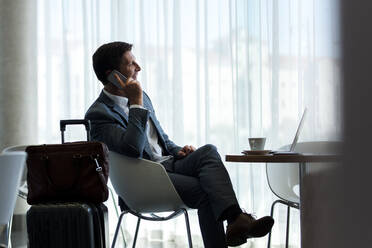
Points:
[(245, 227)]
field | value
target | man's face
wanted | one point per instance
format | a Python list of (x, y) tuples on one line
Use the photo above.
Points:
[(129, 66)]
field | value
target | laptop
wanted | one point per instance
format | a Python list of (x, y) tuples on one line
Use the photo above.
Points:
[(294, 143)]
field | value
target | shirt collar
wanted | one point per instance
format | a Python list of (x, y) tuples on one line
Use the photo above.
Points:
[(119, 100)]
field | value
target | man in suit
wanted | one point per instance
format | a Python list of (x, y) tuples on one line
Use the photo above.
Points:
[(124, 119)]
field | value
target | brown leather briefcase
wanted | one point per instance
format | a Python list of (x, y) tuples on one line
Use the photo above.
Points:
[(76, 171)]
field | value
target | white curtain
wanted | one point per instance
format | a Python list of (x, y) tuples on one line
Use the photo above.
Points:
[(218, 71)]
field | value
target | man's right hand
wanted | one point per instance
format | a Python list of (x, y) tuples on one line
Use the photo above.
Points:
[(132, 90)]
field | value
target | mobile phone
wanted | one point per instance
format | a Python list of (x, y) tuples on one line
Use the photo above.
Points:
[(112, 79)]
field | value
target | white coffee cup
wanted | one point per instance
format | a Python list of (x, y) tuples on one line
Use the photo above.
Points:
[(257, 144)]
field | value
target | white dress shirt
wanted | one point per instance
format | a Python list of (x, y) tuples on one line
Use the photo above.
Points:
[(152, 135)]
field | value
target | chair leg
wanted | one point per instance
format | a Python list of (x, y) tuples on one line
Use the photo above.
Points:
[(117, 215), (271, 214), (136, 234), (188, 227), (117, 229), (288, 220), (287, 231), (10, 231)]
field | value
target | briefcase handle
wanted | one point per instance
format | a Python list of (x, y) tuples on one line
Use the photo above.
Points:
[(64, 123)]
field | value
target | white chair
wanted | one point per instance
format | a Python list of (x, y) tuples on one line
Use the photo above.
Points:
[(21, 205), (22, 190), (11, 167), (146, 189), (284, 180)]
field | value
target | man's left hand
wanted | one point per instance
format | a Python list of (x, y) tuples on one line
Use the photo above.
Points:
[(186, 150)]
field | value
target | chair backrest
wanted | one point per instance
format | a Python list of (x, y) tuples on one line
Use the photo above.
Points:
[(143, 185), (18, 148), (283, 178), (11, 167)]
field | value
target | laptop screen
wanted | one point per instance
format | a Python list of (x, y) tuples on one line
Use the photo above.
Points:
[(294, 143)]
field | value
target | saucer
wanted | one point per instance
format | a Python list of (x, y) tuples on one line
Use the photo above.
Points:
[(256, 152)]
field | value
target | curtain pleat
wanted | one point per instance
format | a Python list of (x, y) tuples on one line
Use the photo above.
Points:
[(46, 118), (67, 81), (199, 106)]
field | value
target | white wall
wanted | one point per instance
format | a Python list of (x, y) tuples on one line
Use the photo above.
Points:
[(341, 199), (356, 179), (18, 57)]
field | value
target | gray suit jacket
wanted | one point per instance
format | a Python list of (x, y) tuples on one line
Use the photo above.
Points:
[(127, 134)]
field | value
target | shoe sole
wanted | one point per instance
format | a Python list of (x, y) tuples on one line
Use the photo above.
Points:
[(265, 228), (259, 230)]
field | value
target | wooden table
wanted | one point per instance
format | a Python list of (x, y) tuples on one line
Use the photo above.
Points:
[(301, 159)]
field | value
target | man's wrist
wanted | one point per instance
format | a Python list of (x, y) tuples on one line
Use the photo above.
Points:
[(136, 102), (136, 106)]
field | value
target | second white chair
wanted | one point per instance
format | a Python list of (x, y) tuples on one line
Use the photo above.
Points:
[(283, 179)]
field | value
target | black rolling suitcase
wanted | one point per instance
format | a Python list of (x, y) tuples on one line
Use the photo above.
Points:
[(68, 224), (72, 224)]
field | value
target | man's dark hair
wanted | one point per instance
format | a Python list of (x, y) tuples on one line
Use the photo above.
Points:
[(108, 57)]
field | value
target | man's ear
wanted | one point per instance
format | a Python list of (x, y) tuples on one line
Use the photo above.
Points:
[(107, 73)]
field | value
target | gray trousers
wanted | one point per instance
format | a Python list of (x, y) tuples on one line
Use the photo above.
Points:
[(203, 182)]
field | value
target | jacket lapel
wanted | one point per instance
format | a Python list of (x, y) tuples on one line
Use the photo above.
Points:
[(115, 108), (124, 119)]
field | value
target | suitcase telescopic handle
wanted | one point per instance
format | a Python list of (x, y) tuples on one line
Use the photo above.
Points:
[(64, 123)]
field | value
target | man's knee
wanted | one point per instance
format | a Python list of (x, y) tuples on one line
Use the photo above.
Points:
[(208, 152), (208, 147)]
